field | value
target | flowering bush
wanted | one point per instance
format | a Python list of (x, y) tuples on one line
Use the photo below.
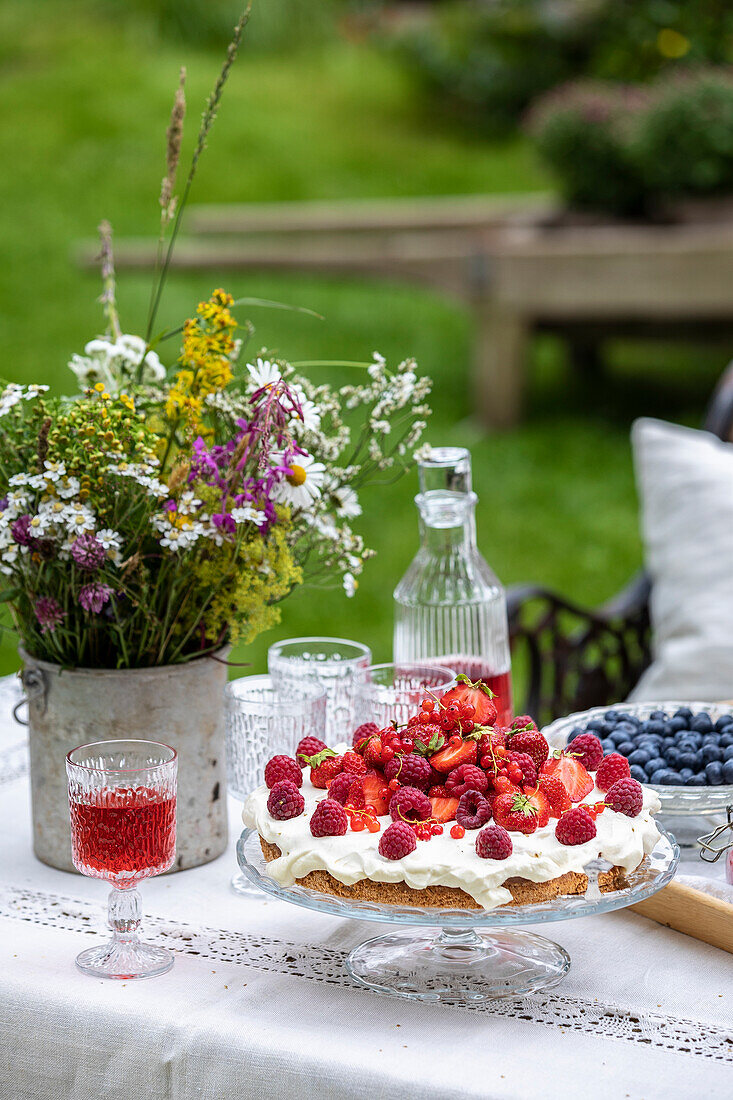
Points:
[(165, 512)]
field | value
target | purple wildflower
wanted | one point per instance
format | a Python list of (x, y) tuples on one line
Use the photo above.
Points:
[(93, 597), (49, 613), (224, 522), (88, 552), (20, 529)]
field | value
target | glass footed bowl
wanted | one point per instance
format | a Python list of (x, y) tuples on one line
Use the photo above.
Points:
[(447, 958), (675, 800)]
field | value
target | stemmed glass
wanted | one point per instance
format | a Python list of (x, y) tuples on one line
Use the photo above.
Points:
[(122, 803), (337, 663), (261, 722)]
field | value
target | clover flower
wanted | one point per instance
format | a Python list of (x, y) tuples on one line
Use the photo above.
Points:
[(49, 613), (88, 552), (94, 596)]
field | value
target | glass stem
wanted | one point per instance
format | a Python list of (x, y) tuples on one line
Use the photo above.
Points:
[(459, 937), (124, 914)]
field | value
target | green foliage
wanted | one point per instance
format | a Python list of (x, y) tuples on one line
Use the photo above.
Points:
[(628, 150), (683, 141), (581, 131), (491, 59)]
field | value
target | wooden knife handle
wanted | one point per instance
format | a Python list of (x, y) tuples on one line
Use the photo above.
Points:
[(693, 912)]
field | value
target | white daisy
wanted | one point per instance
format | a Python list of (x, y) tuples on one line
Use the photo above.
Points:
[(68, 487), (263, 373), (112, 543), (347, 502), (303, 484), (248, 514)]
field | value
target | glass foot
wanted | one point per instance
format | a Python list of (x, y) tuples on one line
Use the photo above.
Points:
[(457, 966), (126, 960), (240, 884)]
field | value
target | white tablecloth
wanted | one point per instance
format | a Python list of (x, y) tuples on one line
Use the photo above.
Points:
[(258, 1003)]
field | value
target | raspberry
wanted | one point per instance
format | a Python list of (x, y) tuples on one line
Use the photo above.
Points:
[(555, 793), (280, 768), (530, 741), (397, 841), (329, 819), (309, 746), (588, 749), (466, 777), (352, 762), (612, 768), (523, 722), (411, 770), (527, 765), (625, 797), (285, 801), (575, 827), (410, 804), (473, 810), (339, 787), (362, 734), (493, 842)]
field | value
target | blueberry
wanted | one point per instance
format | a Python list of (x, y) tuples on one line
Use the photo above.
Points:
[(575, 732), (689, 760), (612, 715), (683, 712), (714, 773), (639, 756), (726, 740), (655, 726), (672, 756), (669, 778), (685, 774), (624, 730), (608, 746), (625, 747), (676, 725), (637, 772), (697, 780), (723, 722), (701, 722), (728, 753), (656, 764), (688, 744), (711, 754), (728, 771), (595, 725), (660, 714)]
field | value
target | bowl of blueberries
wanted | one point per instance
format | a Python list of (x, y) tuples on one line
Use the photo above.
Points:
[(684, 751)]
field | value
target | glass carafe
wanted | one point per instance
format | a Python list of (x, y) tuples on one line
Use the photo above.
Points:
[(449, 606)]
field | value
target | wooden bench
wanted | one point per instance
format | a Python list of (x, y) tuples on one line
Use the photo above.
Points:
[(500, 255)]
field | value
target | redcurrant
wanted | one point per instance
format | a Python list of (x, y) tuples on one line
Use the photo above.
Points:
[(386, 754), (456, 740), (373, 825), (357, 824), (394, 784), (428, 704), (467, 710), (424, 717), (457, 832)]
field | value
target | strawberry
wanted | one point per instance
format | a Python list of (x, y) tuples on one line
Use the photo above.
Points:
[(427, 739), (373, 752), (452, 757), (355, 797), (571, 773), (477, 694), (541, 803), (556, 795), (324, 766), (515, 813), (375, 792), (444, 809), (353, 762), (530, 741)]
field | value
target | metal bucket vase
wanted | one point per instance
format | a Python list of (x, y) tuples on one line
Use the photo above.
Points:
[(181, 705)]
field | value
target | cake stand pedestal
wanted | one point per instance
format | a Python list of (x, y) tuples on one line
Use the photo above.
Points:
[(464, 956)]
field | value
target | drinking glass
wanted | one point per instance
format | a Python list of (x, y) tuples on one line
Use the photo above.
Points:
[(122, 803), (337, 663), (262, 721), (393, 692)]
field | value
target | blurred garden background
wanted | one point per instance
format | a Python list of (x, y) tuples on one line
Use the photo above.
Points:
[(334, 100)]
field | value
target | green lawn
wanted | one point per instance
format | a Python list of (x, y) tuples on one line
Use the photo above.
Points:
[(86, 95)]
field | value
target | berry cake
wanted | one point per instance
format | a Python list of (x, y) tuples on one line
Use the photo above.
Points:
[(452, 810)]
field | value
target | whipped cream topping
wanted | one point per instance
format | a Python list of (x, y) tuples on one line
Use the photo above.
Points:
[(442, 860)]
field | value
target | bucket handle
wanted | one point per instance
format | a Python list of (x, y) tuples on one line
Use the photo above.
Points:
[(34, 682)]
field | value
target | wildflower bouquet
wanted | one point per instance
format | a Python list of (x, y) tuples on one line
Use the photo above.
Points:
[(166, 511)]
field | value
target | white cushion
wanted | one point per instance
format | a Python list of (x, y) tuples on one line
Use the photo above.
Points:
[(685, 482)]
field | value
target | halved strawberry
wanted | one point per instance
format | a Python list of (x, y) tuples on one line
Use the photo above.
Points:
[(555, 794), (538, 799), (376, 792), (477, 694), (571, 773), (444, 809), (452, 757)]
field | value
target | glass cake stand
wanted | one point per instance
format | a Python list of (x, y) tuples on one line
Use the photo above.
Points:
[(687, 812), (455, 960)]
